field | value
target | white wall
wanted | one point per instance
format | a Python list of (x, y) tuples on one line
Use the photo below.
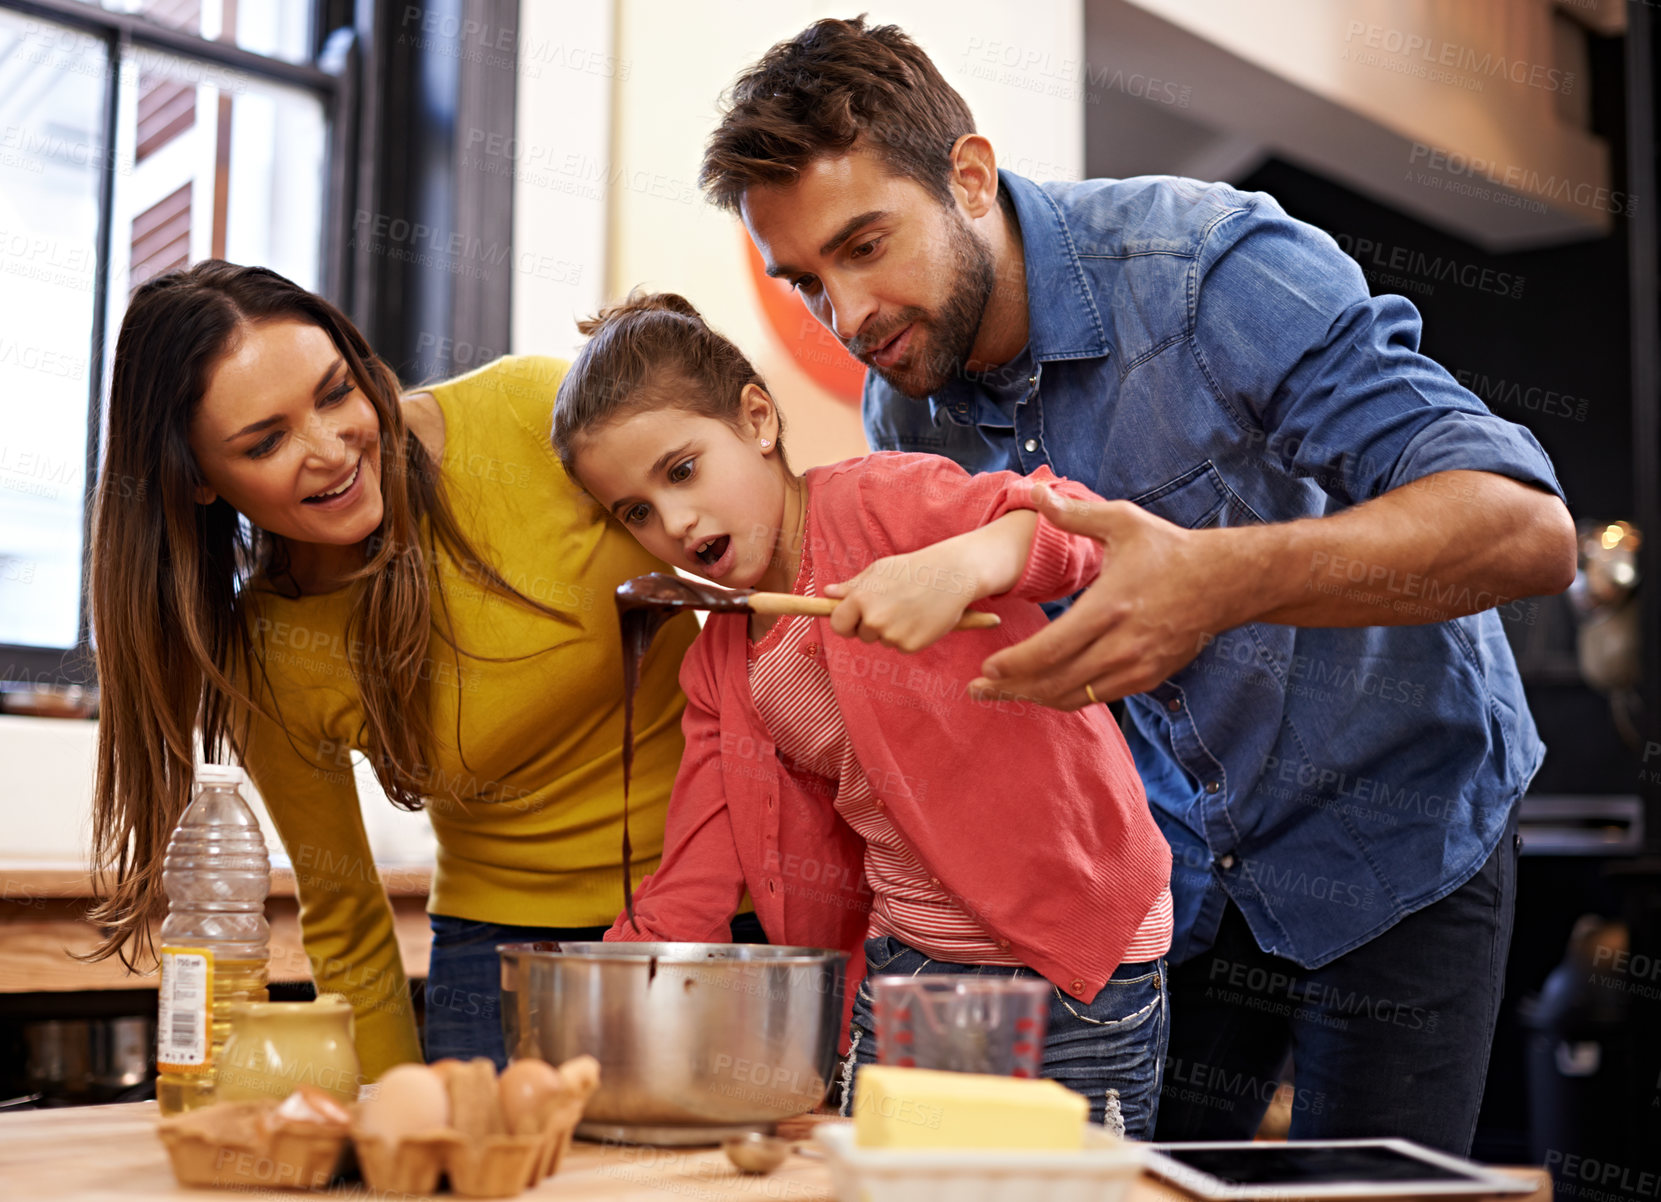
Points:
[(562, 136), (46, 805)]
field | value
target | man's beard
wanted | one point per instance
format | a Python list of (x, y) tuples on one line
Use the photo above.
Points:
[(950, 334)]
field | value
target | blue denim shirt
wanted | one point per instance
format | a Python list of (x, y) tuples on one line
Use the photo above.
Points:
[(1195, 350)]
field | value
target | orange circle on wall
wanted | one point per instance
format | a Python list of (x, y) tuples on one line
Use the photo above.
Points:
[(813, 347)]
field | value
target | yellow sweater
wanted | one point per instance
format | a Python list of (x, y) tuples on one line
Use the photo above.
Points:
[(539, 714)]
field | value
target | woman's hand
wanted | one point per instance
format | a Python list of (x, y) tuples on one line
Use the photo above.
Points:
[(908, 601)]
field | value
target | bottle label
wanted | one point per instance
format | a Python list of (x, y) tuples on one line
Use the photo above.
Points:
[(184, 1009)]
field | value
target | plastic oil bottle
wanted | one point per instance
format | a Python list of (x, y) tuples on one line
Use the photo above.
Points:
[(215, 940)]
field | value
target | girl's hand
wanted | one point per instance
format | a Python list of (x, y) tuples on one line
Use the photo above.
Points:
[(906, 601)]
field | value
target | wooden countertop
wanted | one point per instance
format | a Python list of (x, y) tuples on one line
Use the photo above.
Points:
[(111, 1154), (43, 926), (24, 880)]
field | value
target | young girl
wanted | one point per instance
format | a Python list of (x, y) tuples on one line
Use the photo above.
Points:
[(855, 788)]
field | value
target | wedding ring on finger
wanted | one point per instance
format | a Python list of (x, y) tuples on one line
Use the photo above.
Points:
[(1091, 693)]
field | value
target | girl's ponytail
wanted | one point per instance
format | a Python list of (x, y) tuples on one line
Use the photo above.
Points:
[(638, 302), (648, 348)]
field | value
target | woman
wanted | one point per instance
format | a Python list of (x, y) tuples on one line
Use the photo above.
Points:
[(294, 564)]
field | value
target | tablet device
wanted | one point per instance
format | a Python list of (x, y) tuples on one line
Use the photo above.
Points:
[(1339, 1168)]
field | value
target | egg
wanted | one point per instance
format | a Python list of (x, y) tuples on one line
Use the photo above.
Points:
[(308, 1104), (411, 1100), (527, 1089)]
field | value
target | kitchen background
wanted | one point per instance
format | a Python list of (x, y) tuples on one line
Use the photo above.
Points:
[(467, 177)]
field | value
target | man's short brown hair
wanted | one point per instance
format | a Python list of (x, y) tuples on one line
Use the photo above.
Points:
[(832, 86)]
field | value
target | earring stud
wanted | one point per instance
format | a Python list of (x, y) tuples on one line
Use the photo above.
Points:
[(765, 444)]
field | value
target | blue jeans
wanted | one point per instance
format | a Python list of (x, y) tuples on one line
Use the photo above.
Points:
[(464, 980), (1112, 1050), (1390, 1039)]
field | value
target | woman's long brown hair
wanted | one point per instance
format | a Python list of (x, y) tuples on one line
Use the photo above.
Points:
[(171, 583)]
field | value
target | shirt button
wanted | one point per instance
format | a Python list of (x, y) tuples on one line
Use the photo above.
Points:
[(1078, 984), (1004, 943), (1173, 705), (1211, 786), (1033, 378), (810, 648), (935, 881), (880, 803), (1226, 862), (1031, 445)]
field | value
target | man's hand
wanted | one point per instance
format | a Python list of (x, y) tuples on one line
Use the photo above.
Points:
[(1440, 547), (1147, 615)]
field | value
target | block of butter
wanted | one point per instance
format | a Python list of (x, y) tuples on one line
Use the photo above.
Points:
[(920, 1108)]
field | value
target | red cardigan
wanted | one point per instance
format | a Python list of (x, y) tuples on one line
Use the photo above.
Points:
[(1033, 819)]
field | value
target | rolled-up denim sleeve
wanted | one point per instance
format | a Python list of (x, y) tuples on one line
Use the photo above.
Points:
[(1329, 378)]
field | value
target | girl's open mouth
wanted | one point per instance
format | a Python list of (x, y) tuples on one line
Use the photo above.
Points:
[(711, 552)]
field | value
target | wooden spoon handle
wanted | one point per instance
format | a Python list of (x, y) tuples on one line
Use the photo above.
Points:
[(823, 607)]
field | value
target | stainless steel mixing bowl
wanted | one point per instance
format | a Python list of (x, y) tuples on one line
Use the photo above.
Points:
[(696, 1041)]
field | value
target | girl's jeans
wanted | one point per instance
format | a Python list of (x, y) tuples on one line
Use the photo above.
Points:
[(1112, 1051)]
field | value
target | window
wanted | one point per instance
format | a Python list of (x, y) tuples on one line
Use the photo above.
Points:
[(136, 137)]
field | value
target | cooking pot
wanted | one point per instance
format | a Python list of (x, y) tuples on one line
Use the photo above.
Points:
[(696, 1041)]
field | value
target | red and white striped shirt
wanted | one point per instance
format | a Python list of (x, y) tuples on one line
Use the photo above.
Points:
[(794, 696)]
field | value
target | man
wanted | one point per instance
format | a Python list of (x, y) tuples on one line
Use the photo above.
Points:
[(1312, 527)]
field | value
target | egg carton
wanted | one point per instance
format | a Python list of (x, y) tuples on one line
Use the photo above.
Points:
[(487, 1163), (241, 1145), (1101, 1171), (490, 1166)]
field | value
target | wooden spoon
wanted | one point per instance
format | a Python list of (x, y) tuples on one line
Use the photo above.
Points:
[(661, 590)]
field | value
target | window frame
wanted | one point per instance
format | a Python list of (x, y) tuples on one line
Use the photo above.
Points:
[(332, 76)]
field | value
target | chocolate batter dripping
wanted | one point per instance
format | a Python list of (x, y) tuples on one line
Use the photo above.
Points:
[(644, 604)]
